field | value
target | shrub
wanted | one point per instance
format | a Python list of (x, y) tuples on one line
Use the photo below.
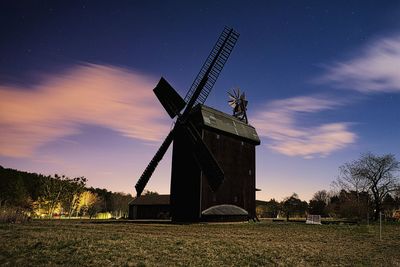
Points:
[(13, 215)]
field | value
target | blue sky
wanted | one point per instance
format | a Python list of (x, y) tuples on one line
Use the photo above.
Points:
[(322, 79)]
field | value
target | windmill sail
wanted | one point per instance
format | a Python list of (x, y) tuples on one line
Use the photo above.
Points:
[(205, 159), (145, 177), (212, 67), (169, 98), (197, 93)]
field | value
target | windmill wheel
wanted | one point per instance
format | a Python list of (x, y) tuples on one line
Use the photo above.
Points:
[(239, 103)]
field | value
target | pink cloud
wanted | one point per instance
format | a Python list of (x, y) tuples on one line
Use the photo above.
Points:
[(278, 123), (106, 96), (375, 69)]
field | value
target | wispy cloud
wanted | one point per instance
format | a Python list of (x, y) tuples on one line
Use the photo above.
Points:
[(375, 69), (107, 96), (277, 123)]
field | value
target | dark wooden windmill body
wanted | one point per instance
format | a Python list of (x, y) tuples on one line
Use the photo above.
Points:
[(232, 143), (213, 153)]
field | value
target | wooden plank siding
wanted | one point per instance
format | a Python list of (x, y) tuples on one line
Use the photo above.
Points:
[(235, 153)]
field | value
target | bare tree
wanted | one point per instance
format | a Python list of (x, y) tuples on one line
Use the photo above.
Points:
[(322, 196), (372, 173), (349, 179)]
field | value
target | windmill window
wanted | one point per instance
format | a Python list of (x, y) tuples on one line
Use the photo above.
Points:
[(217, 136), (235, 199), (242, 143), (249, 172)]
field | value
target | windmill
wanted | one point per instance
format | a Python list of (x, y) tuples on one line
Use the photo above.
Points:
[(239, 104), (213, 156), (184, 127)]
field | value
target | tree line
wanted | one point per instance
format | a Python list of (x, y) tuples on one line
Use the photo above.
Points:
[(364, 189), (58, 196)]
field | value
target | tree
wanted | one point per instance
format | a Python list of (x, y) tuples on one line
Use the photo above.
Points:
[(397, 192), (53, 190), (86, 202), (18, 185), (388, 205), (272, 208), (105, 199), (372, 173), (321, 195), (149, 193), (349, 204), (319, 203), (349, 181), (15, 193), (317, 207), (261, 209), (46, 195), (267, 209), (293, 205), (74, 188), (95, 207), (120, 204), (397, 198)]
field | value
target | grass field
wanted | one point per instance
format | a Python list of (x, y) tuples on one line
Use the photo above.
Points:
[(74, 243)]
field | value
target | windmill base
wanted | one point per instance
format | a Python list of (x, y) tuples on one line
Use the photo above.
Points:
[(225, 218), (224, 213)]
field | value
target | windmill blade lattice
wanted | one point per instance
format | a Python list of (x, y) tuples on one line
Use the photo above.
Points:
[(145, 177), (213, 66)]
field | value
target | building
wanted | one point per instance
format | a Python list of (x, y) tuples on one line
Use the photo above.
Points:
[(150, 207), (232, 143)]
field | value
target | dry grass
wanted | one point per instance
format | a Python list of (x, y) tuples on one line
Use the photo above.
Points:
[(75, 243)]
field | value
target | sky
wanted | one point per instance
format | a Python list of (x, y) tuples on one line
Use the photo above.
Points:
[(76, 78)]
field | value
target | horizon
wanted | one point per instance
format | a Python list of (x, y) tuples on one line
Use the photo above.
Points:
[(76, 84)]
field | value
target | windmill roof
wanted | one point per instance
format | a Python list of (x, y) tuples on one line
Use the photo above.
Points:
[(151, 200), (215, 119)]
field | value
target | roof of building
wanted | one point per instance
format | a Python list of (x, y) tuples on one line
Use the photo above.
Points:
[(223, 122), (151, 200)]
